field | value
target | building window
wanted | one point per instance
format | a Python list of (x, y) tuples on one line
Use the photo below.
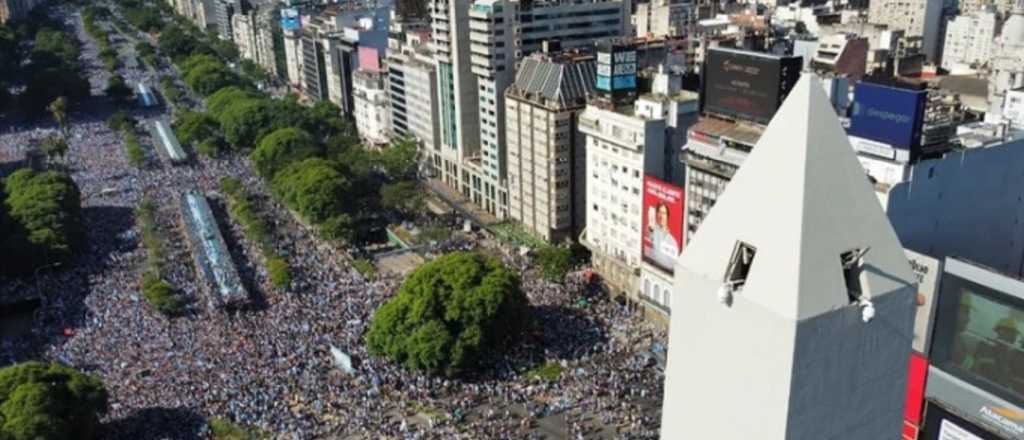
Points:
[(739, 265)]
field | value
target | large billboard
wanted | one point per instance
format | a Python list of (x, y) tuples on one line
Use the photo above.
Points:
[(888, 114), (616, 68), (747, 85), (662, 223)]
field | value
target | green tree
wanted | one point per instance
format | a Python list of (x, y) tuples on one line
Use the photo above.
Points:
[(193, 127), (120, 121), (221, 99), (282, 147), (448, 313), (49, 401), (403, 197), (59, 110), (55, 146), (314, 188), (245, 122), (554, 262), (117, 89), (399, 160), (207, 78), (43, 212)]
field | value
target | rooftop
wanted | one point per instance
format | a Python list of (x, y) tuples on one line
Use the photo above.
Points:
[(742, 132)]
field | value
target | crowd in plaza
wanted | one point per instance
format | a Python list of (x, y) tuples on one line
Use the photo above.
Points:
[(271, 367)]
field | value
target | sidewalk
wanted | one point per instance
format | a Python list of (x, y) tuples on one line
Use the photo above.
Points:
[(460, 203)]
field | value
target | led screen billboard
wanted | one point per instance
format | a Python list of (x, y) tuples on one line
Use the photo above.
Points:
[(886, 114), (662, 223), (747, 85)]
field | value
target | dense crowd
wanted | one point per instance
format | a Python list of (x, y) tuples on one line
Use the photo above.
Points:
[(271, 367)]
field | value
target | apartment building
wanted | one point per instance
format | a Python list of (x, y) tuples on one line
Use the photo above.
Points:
[(970, 40), (253, 34), (664, 18), (546, 160), (919, 18), (412, 85), (477, 45), (458, 103), (372, 107)]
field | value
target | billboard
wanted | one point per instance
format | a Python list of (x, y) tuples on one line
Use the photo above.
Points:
[(290, 18), (888, 114), (662, 223), (616, 68), (747, 85)]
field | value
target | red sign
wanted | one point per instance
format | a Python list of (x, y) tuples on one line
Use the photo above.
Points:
[(662, 223), (916, 381)]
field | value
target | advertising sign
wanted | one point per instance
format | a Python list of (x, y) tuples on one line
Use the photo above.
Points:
[(746, 85), (950, 431), (616, 69), (289, 18), (926, 272), (889, 115), (662, 223)]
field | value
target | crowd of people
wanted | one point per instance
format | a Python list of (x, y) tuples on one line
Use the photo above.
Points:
[(271, 367)]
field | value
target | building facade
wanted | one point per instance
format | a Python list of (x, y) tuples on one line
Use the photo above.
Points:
[(477, 45), (969, 41), (412, 85), (621, 149), (919, 18), (372, 106), (664, 18), (546, 160)]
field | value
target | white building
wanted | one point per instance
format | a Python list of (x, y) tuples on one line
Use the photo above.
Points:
[(793, 306), (1013, 108), (621, 148), (253, 35), (969, 41), (919, 18), (413, 91), (1007, 64), (664, 18), (372, 106), (293, 55)]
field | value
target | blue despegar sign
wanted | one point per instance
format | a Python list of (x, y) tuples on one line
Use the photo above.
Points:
[(888, 114)]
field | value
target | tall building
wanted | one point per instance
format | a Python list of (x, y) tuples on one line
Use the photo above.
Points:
[(372, 109), (292, 37), (664, 18), (341, 58), (458, 103), (478, 44), (219, 14), (969, 40), (253, 35), (919, 18), (413, 96), (1006, 68), (546, 159), (818, 295)]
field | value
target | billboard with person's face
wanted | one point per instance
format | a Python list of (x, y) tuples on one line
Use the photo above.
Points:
[(662, 223)]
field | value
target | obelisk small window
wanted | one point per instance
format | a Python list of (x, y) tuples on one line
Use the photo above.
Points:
[(739, 265)]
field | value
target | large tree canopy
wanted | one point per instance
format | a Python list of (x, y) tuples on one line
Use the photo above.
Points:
[(43, 220), (282, 147), (314, 188), (53, 402), (448, 313)]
